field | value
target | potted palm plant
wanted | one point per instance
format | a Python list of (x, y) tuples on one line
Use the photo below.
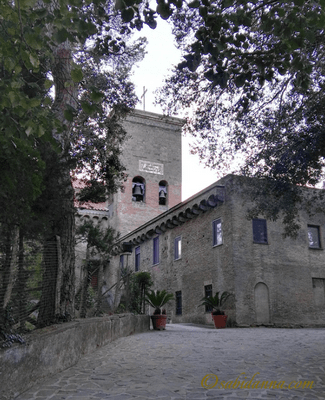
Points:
[(215, 304), (157, 300)]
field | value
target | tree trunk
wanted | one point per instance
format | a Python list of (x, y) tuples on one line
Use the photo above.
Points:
[(142, 297), (62, 214), (100, 284), (58, 302), (84, 292), (59, 277), (46, 315), (21, 283), (67, 236), (10, 267), (84, 287), (66, 96), (117, 294)]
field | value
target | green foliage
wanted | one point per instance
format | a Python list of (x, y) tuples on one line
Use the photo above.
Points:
[(64, 88), (33, 260), (255, 72), (93, 191), (91, 298), (34, 38), (158, 299), (139, 283), (20, 179), (215, 302), (98, 240)]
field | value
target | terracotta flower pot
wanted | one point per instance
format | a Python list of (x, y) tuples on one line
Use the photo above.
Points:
[(220, 321), (159, 322)]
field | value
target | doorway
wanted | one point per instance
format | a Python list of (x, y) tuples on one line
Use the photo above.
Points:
[(262, 304)]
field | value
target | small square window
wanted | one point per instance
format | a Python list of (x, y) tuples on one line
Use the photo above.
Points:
[(178, 296), (178, 248), (137, 258), (217, 232), (156, 250), (259, 231), (314, 237)]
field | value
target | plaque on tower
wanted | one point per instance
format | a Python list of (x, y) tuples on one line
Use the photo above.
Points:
[(151, 167)]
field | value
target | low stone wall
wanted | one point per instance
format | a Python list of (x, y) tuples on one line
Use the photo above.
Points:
[(55, 348)]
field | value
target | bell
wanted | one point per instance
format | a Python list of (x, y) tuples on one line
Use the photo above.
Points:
[(162, 198), (137, 193)]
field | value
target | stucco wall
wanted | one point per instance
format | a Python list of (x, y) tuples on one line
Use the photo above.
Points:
[(55, 348)]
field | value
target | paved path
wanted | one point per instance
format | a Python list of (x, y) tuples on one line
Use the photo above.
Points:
[(171, 365)]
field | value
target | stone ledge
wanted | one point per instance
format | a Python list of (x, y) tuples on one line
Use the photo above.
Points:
[(55, 348)]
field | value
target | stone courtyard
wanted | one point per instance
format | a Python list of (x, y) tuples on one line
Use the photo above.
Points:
[(197, 362)]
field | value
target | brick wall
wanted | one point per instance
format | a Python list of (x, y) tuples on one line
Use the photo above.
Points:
[(155, 140)]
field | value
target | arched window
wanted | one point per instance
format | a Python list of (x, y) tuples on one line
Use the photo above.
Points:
[(138, 189), (163, 193)]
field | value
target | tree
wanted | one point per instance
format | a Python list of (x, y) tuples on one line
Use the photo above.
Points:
[(51, 55), (254, 72), (253, 81), (256, 77), (140, 282), (99, 244)]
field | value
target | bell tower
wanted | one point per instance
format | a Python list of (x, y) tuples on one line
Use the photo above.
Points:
[(152, 155)]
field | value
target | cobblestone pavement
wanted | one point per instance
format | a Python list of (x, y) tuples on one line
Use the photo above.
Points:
[(172, 364)]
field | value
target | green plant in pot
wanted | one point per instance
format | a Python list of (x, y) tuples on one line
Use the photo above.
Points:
[(157, 300), (215, 304)]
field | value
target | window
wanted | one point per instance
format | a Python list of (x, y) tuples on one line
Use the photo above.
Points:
[(217, 232), (138, 189), (162, 193), (156, 250), (178, 248), (259, 231), (314, 237), (178, 296), (208, 293), (137, 258)]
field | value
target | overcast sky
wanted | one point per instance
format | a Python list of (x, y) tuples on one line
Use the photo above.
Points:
[(162, 54)]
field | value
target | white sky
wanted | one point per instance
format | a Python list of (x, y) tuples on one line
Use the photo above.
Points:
[(161, 55)]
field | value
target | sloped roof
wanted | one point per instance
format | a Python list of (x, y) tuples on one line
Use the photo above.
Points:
[(79, 184)]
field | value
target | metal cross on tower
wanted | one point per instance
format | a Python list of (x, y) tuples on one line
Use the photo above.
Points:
[(144, 97)]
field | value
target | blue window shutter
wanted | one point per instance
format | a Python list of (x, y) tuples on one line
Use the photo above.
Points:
[(259, 231), (156, 250), (137, 258)]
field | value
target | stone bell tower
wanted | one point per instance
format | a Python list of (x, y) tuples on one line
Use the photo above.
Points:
[(152, 155)]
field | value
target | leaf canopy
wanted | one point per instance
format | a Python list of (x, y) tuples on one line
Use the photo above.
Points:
[(215, 302), (159, 298)]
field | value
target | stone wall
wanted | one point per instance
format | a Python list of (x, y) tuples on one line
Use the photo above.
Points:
[(278, 283), (55, 348)]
